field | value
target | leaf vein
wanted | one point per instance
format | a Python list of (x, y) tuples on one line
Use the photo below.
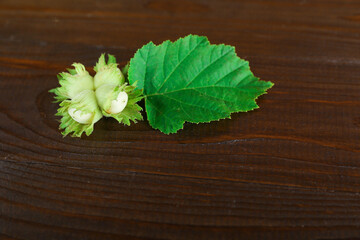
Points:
[(177, 100)]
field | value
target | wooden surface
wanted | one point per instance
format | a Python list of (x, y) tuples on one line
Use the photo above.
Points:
[(289, 170)]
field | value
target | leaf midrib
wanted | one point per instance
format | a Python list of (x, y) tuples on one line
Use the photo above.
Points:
[(185, 89), (177, 65)]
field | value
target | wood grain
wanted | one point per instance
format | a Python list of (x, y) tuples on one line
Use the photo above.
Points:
[(289, 170)]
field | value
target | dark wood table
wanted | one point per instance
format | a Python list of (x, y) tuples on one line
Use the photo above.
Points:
[(289, 170)]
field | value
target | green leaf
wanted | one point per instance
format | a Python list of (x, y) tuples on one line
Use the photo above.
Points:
[(191, 80)]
